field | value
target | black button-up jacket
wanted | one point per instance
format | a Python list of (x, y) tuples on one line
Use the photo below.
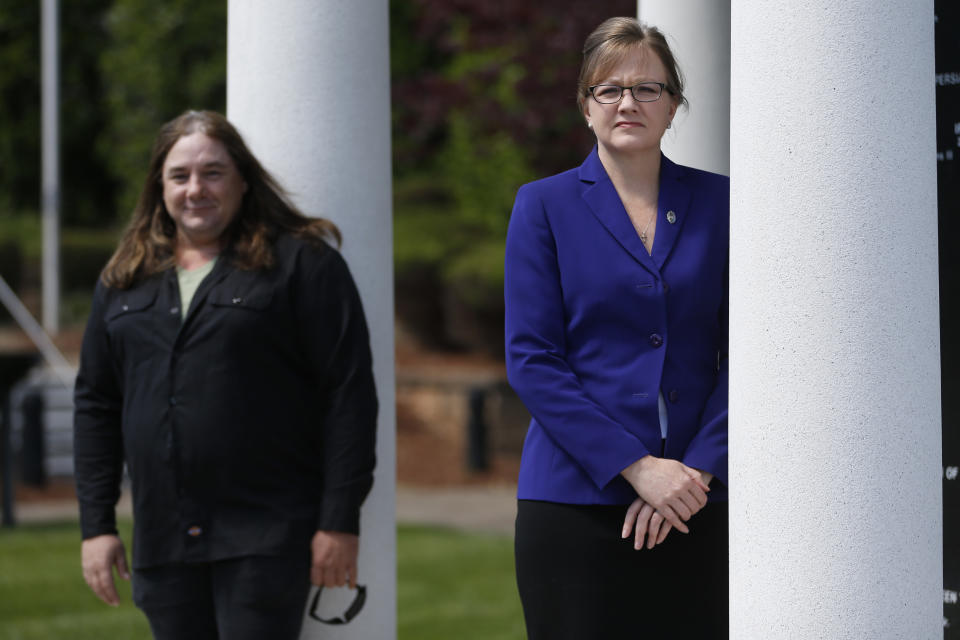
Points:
[(245, 427)]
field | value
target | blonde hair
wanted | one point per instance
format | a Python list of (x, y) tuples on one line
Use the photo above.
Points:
[(612, 41)]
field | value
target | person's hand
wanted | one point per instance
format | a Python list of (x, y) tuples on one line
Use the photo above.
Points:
[(645, 523), (334, 559), (98, 556), (706, 476), (674, 490)]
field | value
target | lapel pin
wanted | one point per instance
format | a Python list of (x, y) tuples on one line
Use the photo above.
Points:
[(671, 217)]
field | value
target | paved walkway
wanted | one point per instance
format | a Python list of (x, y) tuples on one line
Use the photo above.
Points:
[(477, 509), (481, 509)]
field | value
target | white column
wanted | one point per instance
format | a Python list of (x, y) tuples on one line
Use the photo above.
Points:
[(835, 477), (698, 32), (309, 89)]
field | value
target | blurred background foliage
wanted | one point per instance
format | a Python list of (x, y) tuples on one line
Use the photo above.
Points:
[(482, 101)]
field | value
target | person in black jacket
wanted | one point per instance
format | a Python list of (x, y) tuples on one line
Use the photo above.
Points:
[(227, 363)]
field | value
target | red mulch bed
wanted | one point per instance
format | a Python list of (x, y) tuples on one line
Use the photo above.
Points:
[(424, 459)]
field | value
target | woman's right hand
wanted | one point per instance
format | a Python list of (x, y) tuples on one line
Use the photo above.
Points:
[(671, 488)]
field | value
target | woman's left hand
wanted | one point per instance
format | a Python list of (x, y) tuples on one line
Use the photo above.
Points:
[(646, 523), (672, 488)]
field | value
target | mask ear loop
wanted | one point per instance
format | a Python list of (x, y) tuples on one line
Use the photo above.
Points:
[(352, 611)]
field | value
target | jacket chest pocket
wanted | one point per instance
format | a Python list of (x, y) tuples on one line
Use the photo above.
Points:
[(130, 323), (242, 314)]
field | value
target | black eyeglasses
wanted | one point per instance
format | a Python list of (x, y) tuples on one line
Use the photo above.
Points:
[(352, 611), (642, 92)]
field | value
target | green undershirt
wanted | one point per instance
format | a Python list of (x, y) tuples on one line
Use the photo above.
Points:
[(189, 280)]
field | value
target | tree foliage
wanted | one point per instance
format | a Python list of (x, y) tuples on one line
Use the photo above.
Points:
[(19, 106), (512, 66), (484, 100), (126, 66), (86, 185), (163, 58)]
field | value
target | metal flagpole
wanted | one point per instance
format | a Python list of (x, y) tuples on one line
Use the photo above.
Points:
[(51, 164)]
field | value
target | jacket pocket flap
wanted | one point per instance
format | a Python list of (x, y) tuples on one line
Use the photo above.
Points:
[(131, 302), (257, 299)]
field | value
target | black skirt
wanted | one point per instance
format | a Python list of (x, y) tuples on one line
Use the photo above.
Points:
[(579, 580)]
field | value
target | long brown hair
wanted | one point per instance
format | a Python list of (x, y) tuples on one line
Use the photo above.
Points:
[(148, 243)]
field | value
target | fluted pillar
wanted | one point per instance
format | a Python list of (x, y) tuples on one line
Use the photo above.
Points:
[(309, 89)]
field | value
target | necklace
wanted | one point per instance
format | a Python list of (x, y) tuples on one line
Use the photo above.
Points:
[(643, 232)]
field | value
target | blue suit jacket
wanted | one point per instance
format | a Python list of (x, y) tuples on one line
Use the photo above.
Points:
[(596, 327)]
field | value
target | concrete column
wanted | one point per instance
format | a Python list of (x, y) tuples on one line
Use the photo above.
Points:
[(699, 35), (835, 478), (309, 89)]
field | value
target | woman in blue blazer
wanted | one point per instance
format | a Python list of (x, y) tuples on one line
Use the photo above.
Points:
[(616, 334)]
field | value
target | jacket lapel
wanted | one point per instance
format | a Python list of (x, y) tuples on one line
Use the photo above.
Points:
[(673, 203), (605, 204)]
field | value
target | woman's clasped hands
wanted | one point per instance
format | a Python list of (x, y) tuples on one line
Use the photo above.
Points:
[(669, 493)]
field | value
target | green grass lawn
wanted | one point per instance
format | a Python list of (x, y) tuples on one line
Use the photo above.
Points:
[(456, 586), (450, 585), (43, 595)]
